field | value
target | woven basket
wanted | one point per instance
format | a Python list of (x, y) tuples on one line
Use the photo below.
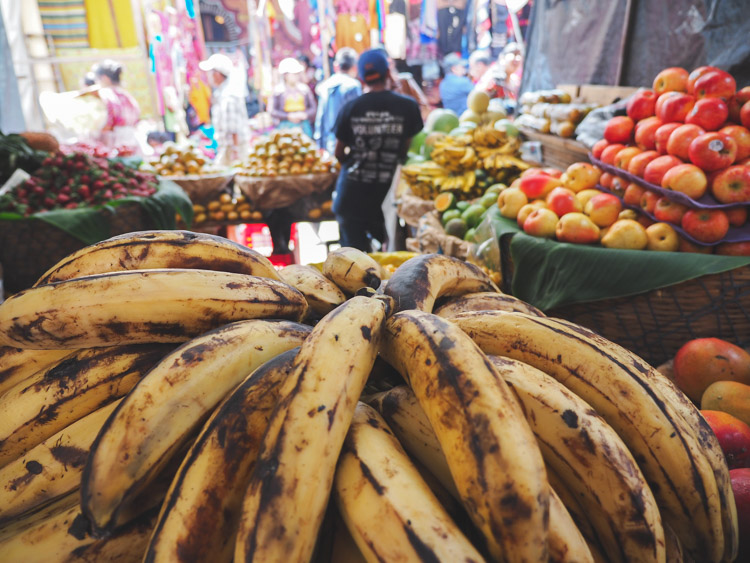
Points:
[(29, 248), (655, 324), (202, 189)]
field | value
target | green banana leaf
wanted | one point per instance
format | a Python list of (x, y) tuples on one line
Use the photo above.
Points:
[(551, 274), (91, 224)]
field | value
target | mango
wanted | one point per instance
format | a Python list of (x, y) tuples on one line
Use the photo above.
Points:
[(728, 396)]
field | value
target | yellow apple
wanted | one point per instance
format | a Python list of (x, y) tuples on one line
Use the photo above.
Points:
[(585, 195), (541, 223), (603, 209), (628, 214), (576, 228), (526, 210), (663, 237), (581, 176), (626, 234), (511, 201)]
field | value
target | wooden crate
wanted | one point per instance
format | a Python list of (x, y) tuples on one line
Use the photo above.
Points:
[(557, 152)]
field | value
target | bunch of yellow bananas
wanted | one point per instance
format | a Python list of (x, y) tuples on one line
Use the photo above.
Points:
[(153, 411)]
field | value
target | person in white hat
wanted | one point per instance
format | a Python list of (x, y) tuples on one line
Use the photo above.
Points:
[(228, 111), (293, 103)]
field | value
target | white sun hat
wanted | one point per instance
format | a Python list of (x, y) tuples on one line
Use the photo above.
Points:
[(218, 62), (290, 66)]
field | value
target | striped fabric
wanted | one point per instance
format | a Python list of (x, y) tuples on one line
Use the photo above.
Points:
[(65, 22)]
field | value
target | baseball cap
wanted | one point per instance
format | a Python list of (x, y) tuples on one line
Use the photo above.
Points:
[(219, 63), (373, 65), (453, 59), (290, 66)]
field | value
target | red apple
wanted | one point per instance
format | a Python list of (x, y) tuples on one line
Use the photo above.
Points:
[(605, 180), (662, 134), (737, 216), (733, 436), (669, 211), (709, 113), (645, 133), (695, 75), (598, 147), (641, 104), (619, 129), (563, 201), (743, 95), (687, 179), (633, 194), (536, 186), (689, 246), (609, 153), (712, 151), (732, 185), (618, 186), (740, 479), (715, 84), (679, 140), (648, 201), (741, 136), (603, 209), (671, 79), (663, 98), (675, 108), (655, 170), (554, 172), (745, 115), (638, 162), (645, 220), (623, 158), (541, 223), (706, 225), (734, 248)]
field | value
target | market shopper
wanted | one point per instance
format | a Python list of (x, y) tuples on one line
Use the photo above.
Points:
[(293, 103), (123, 112), (479, 64), (333, 94), (373, 133), (456, 86), (228, 110)]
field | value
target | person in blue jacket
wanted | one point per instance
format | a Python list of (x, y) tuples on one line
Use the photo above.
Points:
[(456, 86), (333, 94)]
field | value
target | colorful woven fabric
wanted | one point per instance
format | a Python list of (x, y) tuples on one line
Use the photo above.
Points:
[(64, 21)]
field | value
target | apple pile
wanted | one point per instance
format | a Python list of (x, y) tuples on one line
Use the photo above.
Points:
[(688, 134), (569, 207)]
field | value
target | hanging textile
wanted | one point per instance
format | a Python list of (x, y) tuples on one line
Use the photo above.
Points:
[(110, 24), (11, 114), (353, 24), (394, 35), (483, 25), (64, 21)]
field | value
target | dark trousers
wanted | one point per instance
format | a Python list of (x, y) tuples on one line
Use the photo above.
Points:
[(358, 232), (279, 222)]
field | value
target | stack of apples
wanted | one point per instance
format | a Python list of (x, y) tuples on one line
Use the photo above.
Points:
[(570, 208), (688, 134)]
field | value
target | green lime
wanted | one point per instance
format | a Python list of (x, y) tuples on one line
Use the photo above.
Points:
[(473, 215), (450, 214), (462, 205), (488, 200), (456, 227), (469, 236)]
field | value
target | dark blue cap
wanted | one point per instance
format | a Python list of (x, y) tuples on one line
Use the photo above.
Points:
[(373, 65)]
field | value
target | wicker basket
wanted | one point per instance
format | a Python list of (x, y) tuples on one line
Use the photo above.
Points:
[(29, 248), (202, 189), (655, 324)]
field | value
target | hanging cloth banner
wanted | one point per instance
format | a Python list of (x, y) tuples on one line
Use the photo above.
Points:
[(64, 21), (110, 24)]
